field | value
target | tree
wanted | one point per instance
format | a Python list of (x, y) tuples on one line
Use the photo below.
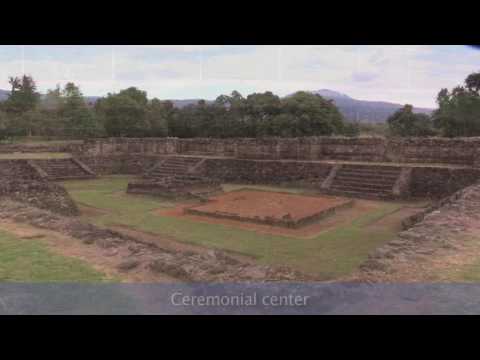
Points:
[(78, 119), (53, 99), (404, 122), (124, 113), (261, 109), (23, 96), (4, 126), (22, 101), (313, 114), (158, 114), (472, 82), (458, 112)]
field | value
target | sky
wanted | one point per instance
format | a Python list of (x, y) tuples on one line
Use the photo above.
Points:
[(411, 74)]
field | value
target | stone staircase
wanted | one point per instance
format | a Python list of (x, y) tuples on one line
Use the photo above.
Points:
[(173, 166), (199, 187), (365, 181), (62, 169)]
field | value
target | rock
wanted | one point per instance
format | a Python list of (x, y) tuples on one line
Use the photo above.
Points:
[(88, 241), (217, 270), (135, 249), (170, 269), (106, 243), (128, 264)]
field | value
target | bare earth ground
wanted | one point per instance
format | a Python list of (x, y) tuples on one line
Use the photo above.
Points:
[(261, 205)]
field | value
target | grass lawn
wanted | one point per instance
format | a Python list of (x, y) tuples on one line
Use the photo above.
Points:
[(331, 254), (28, 260)]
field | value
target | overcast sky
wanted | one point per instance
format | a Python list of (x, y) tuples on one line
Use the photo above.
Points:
[(401, 74)]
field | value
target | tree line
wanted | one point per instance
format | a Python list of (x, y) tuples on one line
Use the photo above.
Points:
[(458, 114), (129, 113), (63, 112)]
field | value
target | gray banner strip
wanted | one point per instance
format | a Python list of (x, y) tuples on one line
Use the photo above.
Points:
[(239, 299)]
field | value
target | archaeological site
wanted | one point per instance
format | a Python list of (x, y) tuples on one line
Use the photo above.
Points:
[(251, 209)]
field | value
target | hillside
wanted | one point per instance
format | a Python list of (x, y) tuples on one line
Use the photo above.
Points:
[(4, 95), (363, 110)]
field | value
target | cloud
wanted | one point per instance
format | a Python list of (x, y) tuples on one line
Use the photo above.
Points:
[(364, 76), (412, 74)]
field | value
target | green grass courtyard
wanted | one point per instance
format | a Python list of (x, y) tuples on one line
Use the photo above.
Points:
[(332, 253)]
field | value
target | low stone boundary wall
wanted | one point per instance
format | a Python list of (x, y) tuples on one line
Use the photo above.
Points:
[(462, 151), (68, 147)]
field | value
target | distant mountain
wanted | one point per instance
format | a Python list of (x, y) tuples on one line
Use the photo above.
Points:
[(182, 103), (89, 99), (4, 95), (363, 110)]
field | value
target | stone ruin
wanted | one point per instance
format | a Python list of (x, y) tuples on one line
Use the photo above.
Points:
[(39, 193), (177, 186), (356, 167)]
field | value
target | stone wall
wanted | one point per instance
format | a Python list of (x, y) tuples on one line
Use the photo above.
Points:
[(39, 193), (17, 169), (127, 146), (120, 164), (438, 182), (462, 151), (73, 146), (264, 171), (431, 238)]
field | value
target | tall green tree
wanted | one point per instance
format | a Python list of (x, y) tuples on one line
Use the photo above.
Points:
[(79, 120), (158, 116), (125, 113), (472, 82), (22, 102), (458, 112), (404, 122), (313, 115)]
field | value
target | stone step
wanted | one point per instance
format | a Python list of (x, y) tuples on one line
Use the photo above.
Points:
[(371, 167), (370, 170), (166, 171), (372, 179), (176, 168), (360, 194), (361, 189), (363, 174), (63, 169), (184, 160), (363, 184)]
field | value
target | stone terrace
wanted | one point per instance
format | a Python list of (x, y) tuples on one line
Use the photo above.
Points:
[(62, 169)]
